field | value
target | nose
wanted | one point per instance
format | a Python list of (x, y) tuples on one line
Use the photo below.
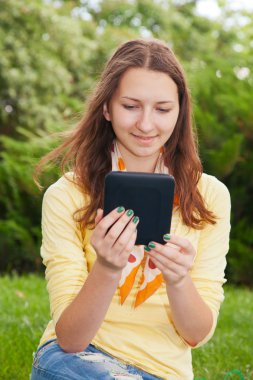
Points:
[(145, 123)]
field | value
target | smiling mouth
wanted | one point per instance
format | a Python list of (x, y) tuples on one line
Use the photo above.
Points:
[(144, 137)]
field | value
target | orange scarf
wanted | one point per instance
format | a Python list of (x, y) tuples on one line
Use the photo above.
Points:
[(151, 278)]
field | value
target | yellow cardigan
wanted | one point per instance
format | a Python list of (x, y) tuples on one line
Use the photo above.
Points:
[(146, 336)]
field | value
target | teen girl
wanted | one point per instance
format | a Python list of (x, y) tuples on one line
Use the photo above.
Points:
[(121, 311)]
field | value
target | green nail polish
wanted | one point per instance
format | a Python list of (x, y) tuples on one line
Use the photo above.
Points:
[(129, 212), (120, 209), (147, 248), (166, 237), (151, 245), (135, 219)]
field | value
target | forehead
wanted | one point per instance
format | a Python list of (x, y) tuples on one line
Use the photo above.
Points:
[(140, 82)]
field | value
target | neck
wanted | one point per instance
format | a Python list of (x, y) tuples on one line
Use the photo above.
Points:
[(141, 166), (133, 163)]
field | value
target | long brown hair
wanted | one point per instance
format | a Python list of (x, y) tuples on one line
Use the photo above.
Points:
[(87, 148)]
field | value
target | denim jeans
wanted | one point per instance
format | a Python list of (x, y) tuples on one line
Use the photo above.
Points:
[(51, 362)]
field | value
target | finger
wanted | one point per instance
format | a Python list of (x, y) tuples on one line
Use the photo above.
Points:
[(128, 249), (170, 256), (168, 265), (163, 259), (99, 215), (174, 246), (179, 241), (107, 221), (172, 252), (121, 258), (125, 240), (116, 230)]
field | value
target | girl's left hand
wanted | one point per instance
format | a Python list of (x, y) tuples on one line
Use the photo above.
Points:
[(174, 259)]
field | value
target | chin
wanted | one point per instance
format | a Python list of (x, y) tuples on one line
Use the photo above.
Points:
[(145, 151)]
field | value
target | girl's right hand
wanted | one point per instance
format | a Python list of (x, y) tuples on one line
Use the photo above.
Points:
[(114, 237)]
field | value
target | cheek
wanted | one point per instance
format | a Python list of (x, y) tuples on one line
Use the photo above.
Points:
[(125, 120), (172, 120), (121, 125), (168, 126)]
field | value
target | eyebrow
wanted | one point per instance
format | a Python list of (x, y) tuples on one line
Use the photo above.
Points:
[(137, 100)]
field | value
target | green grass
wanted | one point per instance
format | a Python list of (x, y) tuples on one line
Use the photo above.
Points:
[(231, 347), (24, 313)]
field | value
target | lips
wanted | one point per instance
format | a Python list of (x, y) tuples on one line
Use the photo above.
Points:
[(145, 138)]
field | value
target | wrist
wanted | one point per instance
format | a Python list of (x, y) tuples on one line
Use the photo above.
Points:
[(178, 285), (106, 270)]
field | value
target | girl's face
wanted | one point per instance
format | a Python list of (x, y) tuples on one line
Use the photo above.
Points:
[(143, 112)]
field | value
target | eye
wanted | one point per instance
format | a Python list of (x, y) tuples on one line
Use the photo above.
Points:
[(163, 110), (129, 106)]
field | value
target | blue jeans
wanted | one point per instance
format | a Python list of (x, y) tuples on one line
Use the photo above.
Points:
[(51, 362)]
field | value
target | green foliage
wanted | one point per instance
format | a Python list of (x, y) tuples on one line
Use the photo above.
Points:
[(51, 55), (44, 76), (227, 155), (241, 264), (20, 200), (43, 66)]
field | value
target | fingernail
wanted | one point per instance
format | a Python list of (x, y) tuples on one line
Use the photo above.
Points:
[(147, 248), (135, 220), (166, 237), (151, 245), (129, 212), (120, 209)]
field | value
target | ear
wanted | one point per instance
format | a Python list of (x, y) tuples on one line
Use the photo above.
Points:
[(106, 112)]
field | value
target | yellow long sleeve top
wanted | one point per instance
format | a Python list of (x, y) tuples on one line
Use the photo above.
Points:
[(146, 336)]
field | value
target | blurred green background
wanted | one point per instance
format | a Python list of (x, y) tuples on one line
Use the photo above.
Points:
[(51, 53)]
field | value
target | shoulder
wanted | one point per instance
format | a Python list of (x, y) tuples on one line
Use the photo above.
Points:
[(213, 190), (65, 191)]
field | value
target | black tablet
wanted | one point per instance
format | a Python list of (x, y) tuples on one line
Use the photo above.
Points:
[(149, 195)]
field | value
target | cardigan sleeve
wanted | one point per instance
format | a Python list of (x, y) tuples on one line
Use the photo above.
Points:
[(62, 246), (208, 272)]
